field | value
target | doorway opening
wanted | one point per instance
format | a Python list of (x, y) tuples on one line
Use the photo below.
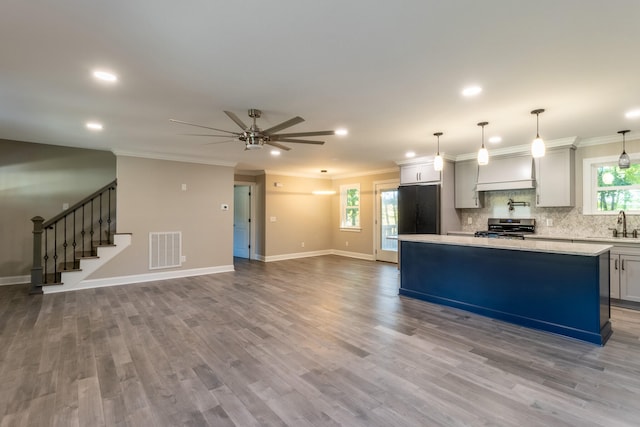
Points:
[(386, 221), (242, 221)]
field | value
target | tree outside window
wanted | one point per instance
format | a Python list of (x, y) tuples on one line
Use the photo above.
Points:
[(617, 189), (350, 206)]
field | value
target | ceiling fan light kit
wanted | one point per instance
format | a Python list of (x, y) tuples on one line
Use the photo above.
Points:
[(254, 138), (537, 146)]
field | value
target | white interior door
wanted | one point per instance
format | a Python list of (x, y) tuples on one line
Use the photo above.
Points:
[(241, 220), (386, 223)]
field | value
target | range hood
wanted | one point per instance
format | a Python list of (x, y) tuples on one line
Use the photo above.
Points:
[(507, 173)]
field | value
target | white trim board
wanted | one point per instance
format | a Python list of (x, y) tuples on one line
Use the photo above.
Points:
[(139, 278), (14, 280), (284, 257)]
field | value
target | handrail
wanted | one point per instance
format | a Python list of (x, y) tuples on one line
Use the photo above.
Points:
[(79, 204), (60, 242)]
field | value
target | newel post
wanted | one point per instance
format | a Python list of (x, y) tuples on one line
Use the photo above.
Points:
[(36, 270)]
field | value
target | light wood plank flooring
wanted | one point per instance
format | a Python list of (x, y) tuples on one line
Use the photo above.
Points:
[(321, 341)]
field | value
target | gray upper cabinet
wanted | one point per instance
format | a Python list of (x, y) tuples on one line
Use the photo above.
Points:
[(555, 182), (466, 179), (419, 173)]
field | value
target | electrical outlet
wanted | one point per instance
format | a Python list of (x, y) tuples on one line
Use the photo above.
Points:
[(184, 187), (469, 220), (183, 258), (549, 222), (302, 244), (346, 243)]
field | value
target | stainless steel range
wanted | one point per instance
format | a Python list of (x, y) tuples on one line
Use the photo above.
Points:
[(508, 228)]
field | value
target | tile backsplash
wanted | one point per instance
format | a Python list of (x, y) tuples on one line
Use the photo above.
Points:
[(563, 221)]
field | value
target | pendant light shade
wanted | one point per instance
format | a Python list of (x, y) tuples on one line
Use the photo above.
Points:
[(624, 161), (437, 161), (483, 154), (537, 146)]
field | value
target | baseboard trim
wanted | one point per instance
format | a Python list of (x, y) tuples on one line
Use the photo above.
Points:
[(358, 255), (140, 278), (295, 255), (283, 257), (14, 280)]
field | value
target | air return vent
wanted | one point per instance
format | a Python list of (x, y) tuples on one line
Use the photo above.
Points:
[(165, 249)]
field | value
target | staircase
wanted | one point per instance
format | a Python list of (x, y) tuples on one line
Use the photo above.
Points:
[(73, 244)]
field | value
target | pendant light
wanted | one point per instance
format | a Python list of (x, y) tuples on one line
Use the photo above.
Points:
[(537, 146), (483, 154), (624, 161), (437, 161)]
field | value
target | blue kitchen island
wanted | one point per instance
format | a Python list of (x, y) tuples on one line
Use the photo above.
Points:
[(552, 286)]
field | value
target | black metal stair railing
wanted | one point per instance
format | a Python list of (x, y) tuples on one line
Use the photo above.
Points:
[(59, 242)]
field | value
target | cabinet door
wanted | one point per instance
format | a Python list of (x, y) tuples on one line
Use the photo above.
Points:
[(426, 173), (614, 275), (466, 179), (555, 179), (419, 173), (630, 277), (409, 174)]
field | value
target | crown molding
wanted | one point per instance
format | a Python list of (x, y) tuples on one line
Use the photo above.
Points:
[(297, 174), (366, 173), (609, 139), (568, 142), (171, 157), (425, 159)]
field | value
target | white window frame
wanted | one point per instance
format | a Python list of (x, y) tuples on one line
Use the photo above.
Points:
[(344, 225), (589, 184)]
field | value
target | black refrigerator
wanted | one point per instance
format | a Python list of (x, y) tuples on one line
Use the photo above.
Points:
[(419, 209)]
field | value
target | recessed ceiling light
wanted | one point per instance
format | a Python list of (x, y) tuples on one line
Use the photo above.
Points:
[(410, 154), (105, 76), (94, 125), (633, 114), (275, 152), (495, 139), (342, 132), (471, 90)]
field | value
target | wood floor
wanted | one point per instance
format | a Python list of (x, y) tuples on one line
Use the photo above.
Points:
[(322, 341)]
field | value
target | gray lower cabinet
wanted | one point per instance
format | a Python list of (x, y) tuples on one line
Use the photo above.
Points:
[(625, 274), (630, 277)]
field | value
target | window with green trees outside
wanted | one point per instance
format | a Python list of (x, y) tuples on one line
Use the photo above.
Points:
[(618, 189)]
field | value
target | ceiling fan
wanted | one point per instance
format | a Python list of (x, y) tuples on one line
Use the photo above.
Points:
[(254, 138)]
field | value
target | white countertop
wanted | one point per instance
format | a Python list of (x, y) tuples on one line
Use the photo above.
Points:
[(568, 248)]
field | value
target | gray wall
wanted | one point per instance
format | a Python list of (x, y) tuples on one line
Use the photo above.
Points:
[(36, 179), (151, 199)]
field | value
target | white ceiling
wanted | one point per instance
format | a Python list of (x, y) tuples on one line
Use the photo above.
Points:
[(389, 72)]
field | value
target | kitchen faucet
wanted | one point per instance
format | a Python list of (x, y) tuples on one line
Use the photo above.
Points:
[(622, 219)]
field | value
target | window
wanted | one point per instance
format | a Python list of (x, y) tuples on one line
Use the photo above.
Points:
[(350, 206), (609, 189)]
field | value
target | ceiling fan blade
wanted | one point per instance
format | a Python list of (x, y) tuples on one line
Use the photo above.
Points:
[(280, 146), (236, 119), (318, 133), (283, 125), (200, 126), (301, 141)]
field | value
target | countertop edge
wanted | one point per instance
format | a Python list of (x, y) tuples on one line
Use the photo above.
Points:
[(567, 248)]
